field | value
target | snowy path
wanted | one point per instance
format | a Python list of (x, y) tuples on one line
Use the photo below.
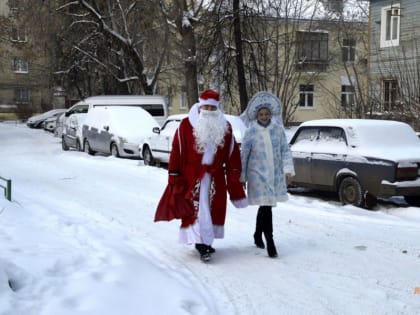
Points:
[(94, 248)]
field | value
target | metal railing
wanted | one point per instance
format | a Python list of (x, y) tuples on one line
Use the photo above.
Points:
[(7, 188)]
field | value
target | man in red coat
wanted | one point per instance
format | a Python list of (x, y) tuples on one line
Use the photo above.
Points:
[(205, 159)]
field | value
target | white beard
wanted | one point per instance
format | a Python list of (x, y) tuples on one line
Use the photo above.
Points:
[(210, 130)]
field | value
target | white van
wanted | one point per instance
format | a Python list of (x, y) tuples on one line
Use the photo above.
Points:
[(116, 130), (154, 104), (72, 124)]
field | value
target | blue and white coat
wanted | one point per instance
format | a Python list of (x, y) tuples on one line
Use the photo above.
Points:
[(266, 158)]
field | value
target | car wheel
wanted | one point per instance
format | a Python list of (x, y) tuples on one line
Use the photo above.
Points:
[(64, 145), (87, 148), (78, 146), (350, 192), (147, 156), (413, 200), (114, 150)]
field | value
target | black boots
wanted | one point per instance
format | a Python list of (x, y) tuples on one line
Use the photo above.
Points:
[(265, 225), (258, 240), (205, 251), (271, 248), (259, 230)]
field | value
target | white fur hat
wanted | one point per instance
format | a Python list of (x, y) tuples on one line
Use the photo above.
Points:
[(260, 100), (209, 97)]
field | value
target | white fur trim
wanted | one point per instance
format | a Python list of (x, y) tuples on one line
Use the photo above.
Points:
[(209, 101)]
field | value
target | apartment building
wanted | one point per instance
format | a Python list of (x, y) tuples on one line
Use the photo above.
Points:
[(25, 81), (394, 63)]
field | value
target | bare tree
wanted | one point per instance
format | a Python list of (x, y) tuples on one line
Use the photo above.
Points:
[(185, 17), (243, 95), (268, 40), (104, 46)]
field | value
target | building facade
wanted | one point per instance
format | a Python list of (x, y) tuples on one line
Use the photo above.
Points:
[(331, 65), (25, 83), (394, 63)]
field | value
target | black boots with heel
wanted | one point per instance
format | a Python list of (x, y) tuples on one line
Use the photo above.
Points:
[(265, 225), (259, 230)]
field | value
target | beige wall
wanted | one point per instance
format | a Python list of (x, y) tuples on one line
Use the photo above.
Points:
[(4, 9), (35, 79)]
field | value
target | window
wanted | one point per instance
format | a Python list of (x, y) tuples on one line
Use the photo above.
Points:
[(20, 66), (17, 35), (171, 126), (311, 50), (14, 5), (347, 96), (332, 134), (390, 25), (390, 94), (349, 50), (183, 103), (22, 95), (306, 95), (307, 134)]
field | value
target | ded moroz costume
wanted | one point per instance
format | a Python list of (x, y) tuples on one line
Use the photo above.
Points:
[(204, 165)]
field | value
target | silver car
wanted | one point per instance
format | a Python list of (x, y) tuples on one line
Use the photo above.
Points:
[(360, 159), (116, 130), (37, 121)]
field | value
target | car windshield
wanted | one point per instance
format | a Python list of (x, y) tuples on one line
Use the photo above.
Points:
[(171, 126)]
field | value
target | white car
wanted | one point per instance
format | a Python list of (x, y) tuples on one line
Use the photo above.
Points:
[(71, 126), (37, 121), (117, 130), (157, 148)]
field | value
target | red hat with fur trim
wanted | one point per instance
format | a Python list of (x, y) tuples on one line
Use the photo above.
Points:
[(209, 97)]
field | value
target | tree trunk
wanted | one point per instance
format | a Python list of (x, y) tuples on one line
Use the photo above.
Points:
[(243, 95), (190, 62)]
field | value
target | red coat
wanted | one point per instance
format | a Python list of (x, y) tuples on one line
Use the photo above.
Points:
[(225, 171)]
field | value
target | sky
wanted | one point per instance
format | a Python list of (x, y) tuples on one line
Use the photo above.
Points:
[(79, 238)]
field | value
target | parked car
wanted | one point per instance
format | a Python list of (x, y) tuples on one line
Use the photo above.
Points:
[(157, 148), (50, 124), (58, 130), (360, 159), (38, 120), (116, 130), (71, 126), (154, 104)]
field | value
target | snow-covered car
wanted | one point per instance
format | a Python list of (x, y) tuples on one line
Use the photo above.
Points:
[(117, 130), (50, 124), (157, 148), (70, 126), (58, 130), (360, 159), (37, 121)]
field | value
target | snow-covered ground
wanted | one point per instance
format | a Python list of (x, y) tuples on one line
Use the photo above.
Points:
[(79, 238)]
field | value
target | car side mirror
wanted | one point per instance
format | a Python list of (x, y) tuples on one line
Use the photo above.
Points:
[(156, 130), (67, 114)]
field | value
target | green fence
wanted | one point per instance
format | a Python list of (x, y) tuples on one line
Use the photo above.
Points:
[(7, 187)]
